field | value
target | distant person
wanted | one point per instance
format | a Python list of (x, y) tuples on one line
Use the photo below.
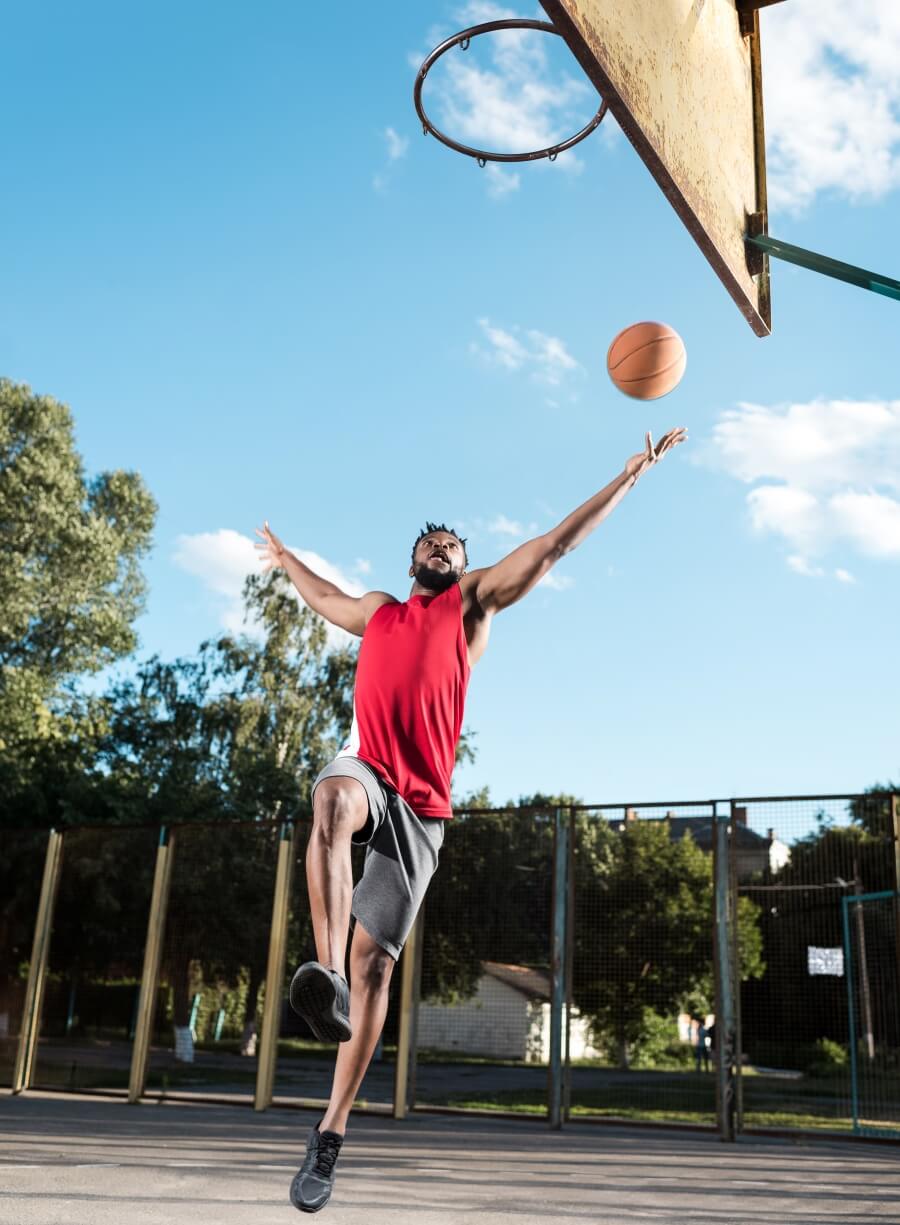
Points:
[(701, 1049), (389, 787)]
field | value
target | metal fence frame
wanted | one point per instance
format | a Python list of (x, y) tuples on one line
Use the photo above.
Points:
[(727, 992)]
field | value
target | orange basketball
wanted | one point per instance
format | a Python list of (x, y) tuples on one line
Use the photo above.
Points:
[(646, 360)]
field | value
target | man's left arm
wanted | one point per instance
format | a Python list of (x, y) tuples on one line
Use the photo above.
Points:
[(511, 578)]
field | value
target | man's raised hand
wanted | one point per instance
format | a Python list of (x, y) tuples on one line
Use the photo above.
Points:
[(638, 464), (269, 548)]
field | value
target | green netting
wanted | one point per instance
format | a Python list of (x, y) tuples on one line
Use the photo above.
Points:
[(22, 854), (641, 1028), (215, 953), (95, 958), (483, 1024)]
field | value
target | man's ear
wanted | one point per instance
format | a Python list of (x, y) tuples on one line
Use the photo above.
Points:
[(412, 572)]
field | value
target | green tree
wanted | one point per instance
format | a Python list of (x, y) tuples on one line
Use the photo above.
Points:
[(644, 927), (70, 589), (237, 733), (70, 579)]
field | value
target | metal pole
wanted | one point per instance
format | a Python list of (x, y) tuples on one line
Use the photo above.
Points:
[(725, 1010), (406, 1023), (736, 964), (37, 967), (271, 1022), (877, 282), (865, 992), (156, 923), (851, 1011), (414, 1011), (895, 828), (557, 969), (570, 968)]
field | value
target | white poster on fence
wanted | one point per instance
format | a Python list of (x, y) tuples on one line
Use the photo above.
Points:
[(825, 961)]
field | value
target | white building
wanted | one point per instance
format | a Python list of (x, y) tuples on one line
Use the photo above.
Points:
[(508, 1017)]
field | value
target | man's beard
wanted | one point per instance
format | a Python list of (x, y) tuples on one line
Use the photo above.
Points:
[(436, 580)]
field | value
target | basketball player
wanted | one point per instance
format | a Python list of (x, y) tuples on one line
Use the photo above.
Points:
[(389, 787)]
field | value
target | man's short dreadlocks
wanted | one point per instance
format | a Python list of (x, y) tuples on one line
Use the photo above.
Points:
[(439, 527)]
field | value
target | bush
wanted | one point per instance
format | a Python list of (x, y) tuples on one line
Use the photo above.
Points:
[(830, 1059), (659, 1045)]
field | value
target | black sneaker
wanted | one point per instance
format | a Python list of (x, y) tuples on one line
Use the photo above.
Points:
[(322, 998), (314, 1181)]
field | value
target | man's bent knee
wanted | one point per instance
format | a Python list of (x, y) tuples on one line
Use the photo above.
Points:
[(340, 808), (373, 970)]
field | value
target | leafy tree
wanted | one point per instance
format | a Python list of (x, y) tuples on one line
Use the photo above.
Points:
[(70, 590), (238, 733), (643, 926), (70, 579), (872, 810), (804, 909)]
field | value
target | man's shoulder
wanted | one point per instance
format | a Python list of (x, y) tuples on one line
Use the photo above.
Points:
[(373, 600)]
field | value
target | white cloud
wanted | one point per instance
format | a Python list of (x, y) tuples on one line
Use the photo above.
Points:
[(501, 181), (871, 521), (397, 145), (546, 358), (223, 559), (826, 474), (556, 582), (503, 95), (801, 566), (500, 525), (832, 99)]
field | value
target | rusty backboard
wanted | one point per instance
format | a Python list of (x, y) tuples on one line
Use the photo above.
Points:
[(683, 79)]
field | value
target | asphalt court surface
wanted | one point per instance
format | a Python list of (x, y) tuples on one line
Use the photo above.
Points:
[(98, 1161)]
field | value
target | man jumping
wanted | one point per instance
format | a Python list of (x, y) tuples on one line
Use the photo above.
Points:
[(389, 787)]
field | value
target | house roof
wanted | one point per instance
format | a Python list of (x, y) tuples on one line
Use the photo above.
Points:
[(700, 829), (535, 984)]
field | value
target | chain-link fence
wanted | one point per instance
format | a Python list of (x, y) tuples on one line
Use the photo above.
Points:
[(728, 964), (796, 992), (482, 1032)]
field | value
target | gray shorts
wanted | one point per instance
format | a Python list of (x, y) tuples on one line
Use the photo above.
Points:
[(401, 856)]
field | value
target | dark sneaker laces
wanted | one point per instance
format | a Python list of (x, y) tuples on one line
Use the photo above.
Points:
[(327, 1153)]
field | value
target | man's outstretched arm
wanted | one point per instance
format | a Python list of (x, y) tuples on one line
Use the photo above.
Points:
[(500, 585), (350, 613)]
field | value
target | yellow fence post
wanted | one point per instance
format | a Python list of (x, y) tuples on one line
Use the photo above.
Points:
[(37, 969), (152, 954), (406, 1027), (271, 1022)]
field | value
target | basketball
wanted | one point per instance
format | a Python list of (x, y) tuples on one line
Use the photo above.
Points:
[(646, 360)]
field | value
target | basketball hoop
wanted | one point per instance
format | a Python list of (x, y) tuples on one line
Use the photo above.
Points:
[(482, 156)]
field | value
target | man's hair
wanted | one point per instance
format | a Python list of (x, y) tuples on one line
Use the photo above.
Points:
[(439, 527)]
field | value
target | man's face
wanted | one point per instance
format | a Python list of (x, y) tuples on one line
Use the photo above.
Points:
[(439, 561)]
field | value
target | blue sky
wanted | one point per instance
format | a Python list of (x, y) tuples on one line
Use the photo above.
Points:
[(230, 249)]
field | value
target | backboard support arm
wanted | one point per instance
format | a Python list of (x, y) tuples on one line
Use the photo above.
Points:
[(765, 244)]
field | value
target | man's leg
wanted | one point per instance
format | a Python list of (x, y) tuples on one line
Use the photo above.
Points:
[(370, 975), (340, 808)]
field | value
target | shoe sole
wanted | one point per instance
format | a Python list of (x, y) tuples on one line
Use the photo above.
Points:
[(314, 997)]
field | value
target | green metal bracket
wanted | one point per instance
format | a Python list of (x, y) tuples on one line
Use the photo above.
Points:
[(825, 265)]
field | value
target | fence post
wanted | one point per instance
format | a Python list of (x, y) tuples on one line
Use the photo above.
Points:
[(271, 1022), (570, 969), (726, 977), (406, 1032), (895, 828), (156, 924), (558, 968), (37, 967)]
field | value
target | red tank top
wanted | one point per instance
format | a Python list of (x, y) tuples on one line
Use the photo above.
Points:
[(411, 680)]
